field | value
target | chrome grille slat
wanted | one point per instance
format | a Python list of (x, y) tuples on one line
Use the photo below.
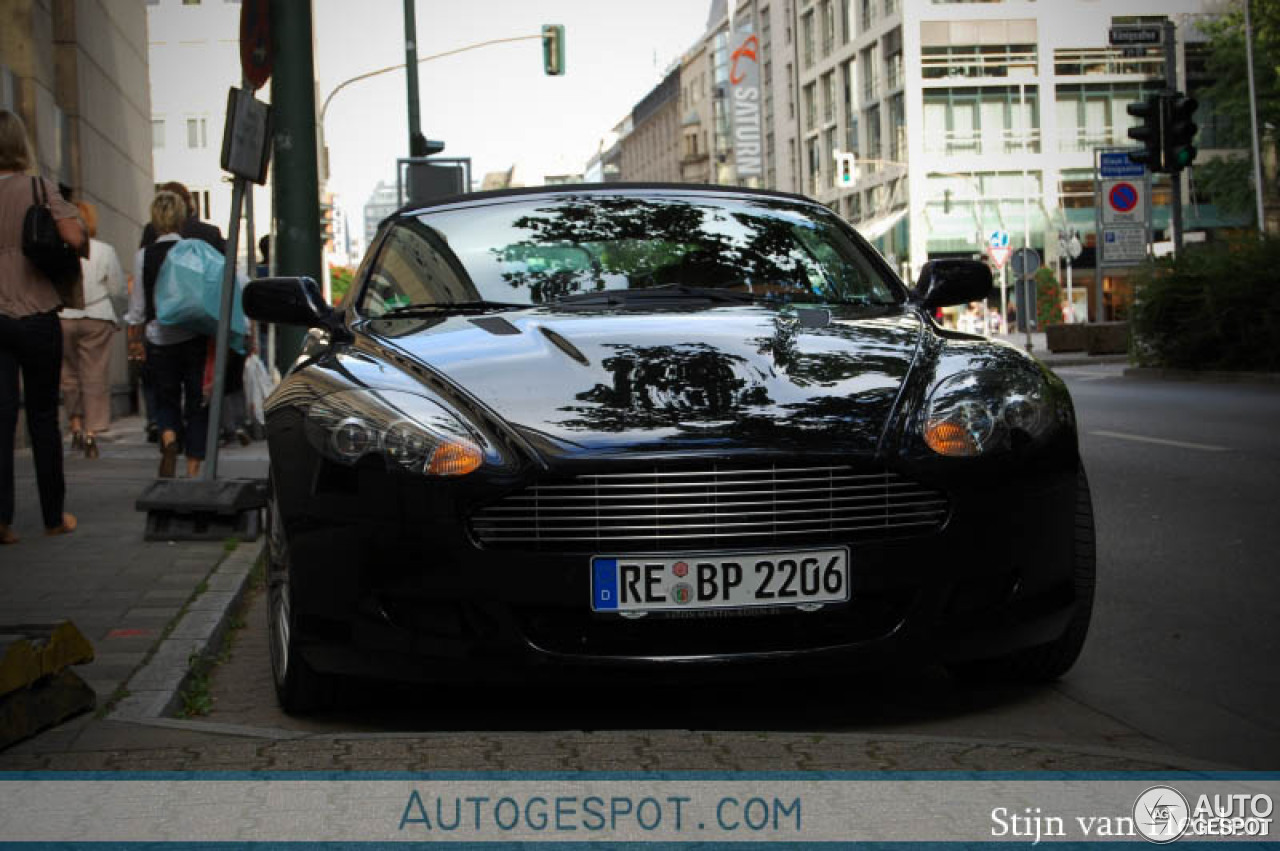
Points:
[(896, 499), (749, 506)]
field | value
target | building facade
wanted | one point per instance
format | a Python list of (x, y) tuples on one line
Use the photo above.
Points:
[(931, 124), (195, 60), (966, 118), (383, 202), (76, 71), (651, 151)]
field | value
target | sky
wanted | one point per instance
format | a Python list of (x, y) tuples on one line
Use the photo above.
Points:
[(493, 104)]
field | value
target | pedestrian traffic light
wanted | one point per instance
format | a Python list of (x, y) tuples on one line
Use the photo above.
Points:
[(1179, 132), (1151, 112), (553, 49)]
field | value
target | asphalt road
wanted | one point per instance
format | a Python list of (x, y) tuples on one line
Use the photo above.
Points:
[(1182, 658)]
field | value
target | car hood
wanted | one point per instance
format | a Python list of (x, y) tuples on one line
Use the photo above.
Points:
[(740, 377)]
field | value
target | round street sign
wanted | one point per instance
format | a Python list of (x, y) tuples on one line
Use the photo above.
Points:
[(255, 43), (1025, 262), (999, 239), (1123, 197)]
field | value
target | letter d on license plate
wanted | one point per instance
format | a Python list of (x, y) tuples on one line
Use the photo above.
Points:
[(720, 581)]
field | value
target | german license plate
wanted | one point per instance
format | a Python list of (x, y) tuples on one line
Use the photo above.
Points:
[(648, 584)]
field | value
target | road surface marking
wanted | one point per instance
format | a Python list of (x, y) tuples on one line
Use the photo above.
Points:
[(1182, 444)]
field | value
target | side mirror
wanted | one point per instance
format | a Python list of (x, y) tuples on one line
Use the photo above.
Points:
[(947, 282), (287, 301)]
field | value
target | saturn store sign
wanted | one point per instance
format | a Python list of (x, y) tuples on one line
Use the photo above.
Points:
[(744, 91)]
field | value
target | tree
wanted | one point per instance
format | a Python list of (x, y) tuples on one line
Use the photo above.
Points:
[(1230, 182), (340, 278)]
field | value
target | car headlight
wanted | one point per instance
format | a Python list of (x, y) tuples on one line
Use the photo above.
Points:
[(971, 413), (410, 431)]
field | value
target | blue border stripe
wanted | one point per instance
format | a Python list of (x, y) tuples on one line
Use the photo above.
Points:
[(695, 776)]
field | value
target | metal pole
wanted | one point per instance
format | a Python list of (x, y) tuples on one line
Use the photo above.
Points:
[(1026, 213), (210, 470), (1171, 86), (1253, 117), (416, 148), (295, 173)]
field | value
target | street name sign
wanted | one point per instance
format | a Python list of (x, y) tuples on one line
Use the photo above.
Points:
[(1134, 36), (1117, 164)]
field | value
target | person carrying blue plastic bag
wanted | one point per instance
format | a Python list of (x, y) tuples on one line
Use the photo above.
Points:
[(176, 355)]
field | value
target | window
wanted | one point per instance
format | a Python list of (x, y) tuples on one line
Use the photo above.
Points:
[(1096, 113), (897, 129), (986, 120), (197, 133), (157, 133), (828, 28), (810, 108), (828, 97), (874, 149), (806, 29)]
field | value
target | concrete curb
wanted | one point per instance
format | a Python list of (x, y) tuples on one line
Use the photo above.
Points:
[(154, 689), (1153, 373), (1055, 361)]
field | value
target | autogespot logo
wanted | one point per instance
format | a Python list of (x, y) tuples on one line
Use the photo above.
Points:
[(1161, 814)]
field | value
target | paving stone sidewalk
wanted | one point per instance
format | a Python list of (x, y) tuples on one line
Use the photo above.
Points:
[(119, 590)]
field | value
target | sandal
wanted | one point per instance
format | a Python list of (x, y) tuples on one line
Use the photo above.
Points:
[(68, 526), (6, 535), (90, 446), (77, 441)]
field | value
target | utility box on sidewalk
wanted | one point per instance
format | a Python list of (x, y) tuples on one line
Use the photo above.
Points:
[(200, 510)]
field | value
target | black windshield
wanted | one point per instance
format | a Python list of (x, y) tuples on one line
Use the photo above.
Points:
[(539, 251)]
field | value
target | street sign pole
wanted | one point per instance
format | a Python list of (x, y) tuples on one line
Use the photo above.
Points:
[(1175, 179)]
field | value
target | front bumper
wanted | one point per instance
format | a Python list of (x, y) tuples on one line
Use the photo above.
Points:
[(387, 582)]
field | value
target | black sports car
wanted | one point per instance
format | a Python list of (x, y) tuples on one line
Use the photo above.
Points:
[(665, 429)]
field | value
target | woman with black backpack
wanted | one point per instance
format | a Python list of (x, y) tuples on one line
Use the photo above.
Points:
[(30, 334)]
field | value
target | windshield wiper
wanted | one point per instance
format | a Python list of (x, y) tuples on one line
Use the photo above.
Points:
[(663, 291), (436, 308)]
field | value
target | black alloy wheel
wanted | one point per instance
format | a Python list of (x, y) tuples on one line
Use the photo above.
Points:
[(299, 689)]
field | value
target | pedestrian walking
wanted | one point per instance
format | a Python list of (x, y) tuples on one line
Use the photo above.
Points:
[(175, 357), (192, 226), (86, 340), (30, 336)]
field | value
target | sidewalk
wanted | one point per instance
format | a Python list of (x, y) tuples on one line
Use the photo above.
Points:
[(1040, 351), (119, 590)]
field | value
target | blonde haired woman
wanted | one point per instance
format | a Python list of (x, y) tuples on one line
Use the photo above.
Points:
[(86, 340), (30, 336), (174, 356)]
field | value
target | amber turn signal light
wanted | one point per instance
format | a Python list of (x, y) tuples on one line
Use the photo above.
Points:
[(948, 437), (455, 458)]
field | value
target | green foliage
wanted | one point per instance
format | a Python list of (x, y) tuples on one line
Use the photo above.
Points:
[(340, 279), (1048, 298), (1215, 307), (1225, 102)]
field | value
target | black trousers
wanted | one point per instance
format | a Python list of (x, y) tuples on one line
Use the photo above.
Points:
[(178, 375), (32, 344)]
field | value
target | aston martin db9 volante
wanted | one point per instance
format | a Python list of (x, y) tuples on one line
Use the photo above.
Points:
[(667, 430)]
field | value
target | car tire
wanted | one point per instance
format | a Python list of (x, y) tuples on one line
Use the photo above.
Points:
[(299, 689), (1047, 662)]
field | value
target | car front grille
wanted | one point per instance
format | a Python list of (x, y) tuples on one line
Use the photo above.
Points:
[(711, 507)]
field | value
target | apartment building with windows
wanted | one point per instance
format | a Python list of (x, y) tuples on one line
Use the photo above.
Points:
[(195, 60), (971, 117)]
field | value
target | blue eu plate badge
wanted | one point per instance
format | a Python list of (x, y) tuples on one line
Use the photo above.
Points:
[(604, 584)]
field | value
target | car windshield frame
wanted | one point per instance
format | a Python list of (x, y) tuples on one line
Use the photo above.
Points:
[(553, 249)]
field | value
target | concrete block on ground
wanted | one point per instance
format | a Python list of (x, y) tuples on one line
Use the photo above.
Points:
[(1107, 338), (38, 706)]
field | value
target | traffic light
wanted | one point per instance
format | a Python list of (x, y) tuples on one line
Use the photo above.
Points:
[(1149, 132), (553, 49), (326, 222), (1179, 131)]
